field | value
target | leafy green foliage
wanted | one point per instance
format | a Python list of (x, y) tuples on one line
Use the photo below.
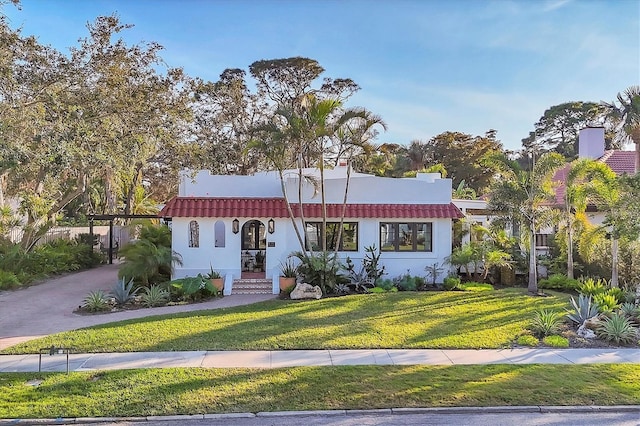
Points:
[(556, 341), (592, 287), (96, 301), (371, 263), (618, 329), (193, 288), (321, 269), (583, 309), (405, 282), (359, 280), (528, 340), (8, 280), (545, 322), (451, 283), (288, 269), (154, 296), (606, 302), (124, 292), (385, 284), (618, 294), (559, 282), (150, 259)]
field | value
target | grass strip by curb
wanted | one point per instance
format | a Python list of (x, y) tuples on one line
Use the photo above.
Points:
[(161, 392)]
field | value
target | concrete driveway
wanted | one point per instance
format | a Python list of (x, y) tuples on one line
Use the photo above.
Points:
[(48, 307)]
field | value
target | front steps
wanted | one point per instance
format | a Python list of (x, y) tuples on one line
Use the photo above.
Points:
[(252, 286)]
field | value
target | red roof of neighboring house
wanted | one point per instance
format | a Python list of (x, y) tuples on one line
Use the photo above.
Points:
[(620, 162), (276, 207)]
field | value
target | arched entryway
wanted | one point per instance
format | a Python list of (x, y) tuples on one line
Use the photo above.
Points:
[(254, 249)]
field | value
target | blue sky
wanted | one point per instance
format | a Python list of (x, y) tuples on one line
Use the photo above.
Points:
[(425, 66)]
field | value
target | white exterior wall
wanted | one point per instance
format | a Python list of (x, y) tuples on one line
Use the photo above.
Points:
[(363, 189)]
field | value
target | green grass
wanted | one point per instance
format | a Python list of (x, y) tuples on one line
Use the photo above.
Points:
[(195, 391), (474, 286), (390, 320)]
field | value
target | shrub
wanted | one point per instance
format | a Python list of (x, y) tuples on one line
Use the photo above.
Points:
[(96, 301), (556, 341), (606, 302), (451, 283), (559, 282), (123, 293), (385, 284), (193, 288), (630, 310), (321, 269), (405, 282), (617, 329), (8, 280), (154, 296), (618, 293), (583, 309), (475, 286), (546, 322), (592, 287), (527, 340)]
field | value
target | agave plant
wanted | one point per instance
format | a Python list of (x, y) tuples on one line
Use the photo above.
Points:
[(630, 310), (96, 301), (617, 329), (546, 322), (155, 296), (583, 309), (123, 293)]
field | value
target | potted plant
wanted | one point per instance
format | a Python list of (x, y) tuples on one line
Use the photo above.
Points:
[(216, 279), (259, 266), (288, 275)]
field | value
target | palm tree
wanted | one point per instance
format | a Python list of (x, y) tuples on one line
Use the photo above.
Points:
[(626, 114), (521, 196)]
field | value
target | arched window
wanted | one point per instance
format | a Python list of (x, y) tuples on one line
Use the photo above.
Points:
[(194, 234), (254, 236), (219, 233)]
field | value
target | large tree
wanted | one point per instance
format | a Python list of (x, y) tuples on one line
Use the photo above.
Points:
[(522, 197), (626, 115)]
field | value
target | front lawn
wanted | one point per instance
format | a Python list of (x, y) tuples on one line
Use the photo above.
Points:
[(391, 320), (197, 391)]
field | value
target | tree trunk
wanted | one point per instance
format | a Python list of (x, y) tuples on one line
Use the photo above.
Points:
[(533, 273), (293, 219), (570, 248), (614, 262)]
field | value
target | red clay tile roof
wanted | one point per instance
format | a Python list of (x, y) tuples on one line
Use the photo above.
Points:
[(620, 162), (276, 207)]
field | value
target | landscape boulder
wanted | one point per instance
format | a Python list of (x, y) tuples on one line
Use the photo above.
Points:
[(585, 332), (306, 291)]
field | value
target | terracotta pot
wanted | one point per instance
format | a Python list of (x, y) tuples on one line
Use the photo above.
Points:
[(218, 283), (286, 282)]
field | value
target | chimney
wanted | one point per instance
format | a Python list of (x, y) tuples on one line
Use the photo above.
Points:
[(591, 142)]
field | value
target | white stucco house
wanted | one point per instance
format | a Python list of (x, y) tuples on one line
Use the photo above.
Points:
[(223, 221)]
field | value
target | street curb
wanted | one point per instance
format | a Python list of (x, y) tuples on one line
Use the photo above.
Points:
[(373, 412)]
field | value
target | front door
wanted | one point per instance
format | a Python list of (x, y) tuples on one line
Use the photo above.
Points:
[(254, 249)]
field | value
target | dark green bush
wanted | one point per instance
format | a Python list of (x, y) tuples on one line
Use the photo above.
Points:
[(559, 282), (385, 284), (406, 282), (8, 280), (451, 283)]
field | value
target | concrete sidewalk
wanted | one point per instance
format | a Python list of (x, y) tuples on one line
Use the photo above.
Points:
[(278, 359)]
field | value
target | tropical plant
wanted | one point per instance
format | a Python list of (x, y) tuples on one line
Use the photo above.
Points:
[(592, 287), (96, 301), (433, 271), (213, 274), (606, 302), (8, 280), (149, 259), (124, 292), (385, 284), (359, 280), (193, 288), (371, 263), (583, 309), (522, 196), (630, 310), (626, 116), (288, 269), (618, 293), (321, 269), (154, 296), (618, 329), (545, 322)]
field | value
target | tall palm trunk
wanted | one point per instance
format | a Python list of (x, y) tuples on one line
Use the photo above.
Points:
[(533, 273), (570, 248), (614, 262)]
